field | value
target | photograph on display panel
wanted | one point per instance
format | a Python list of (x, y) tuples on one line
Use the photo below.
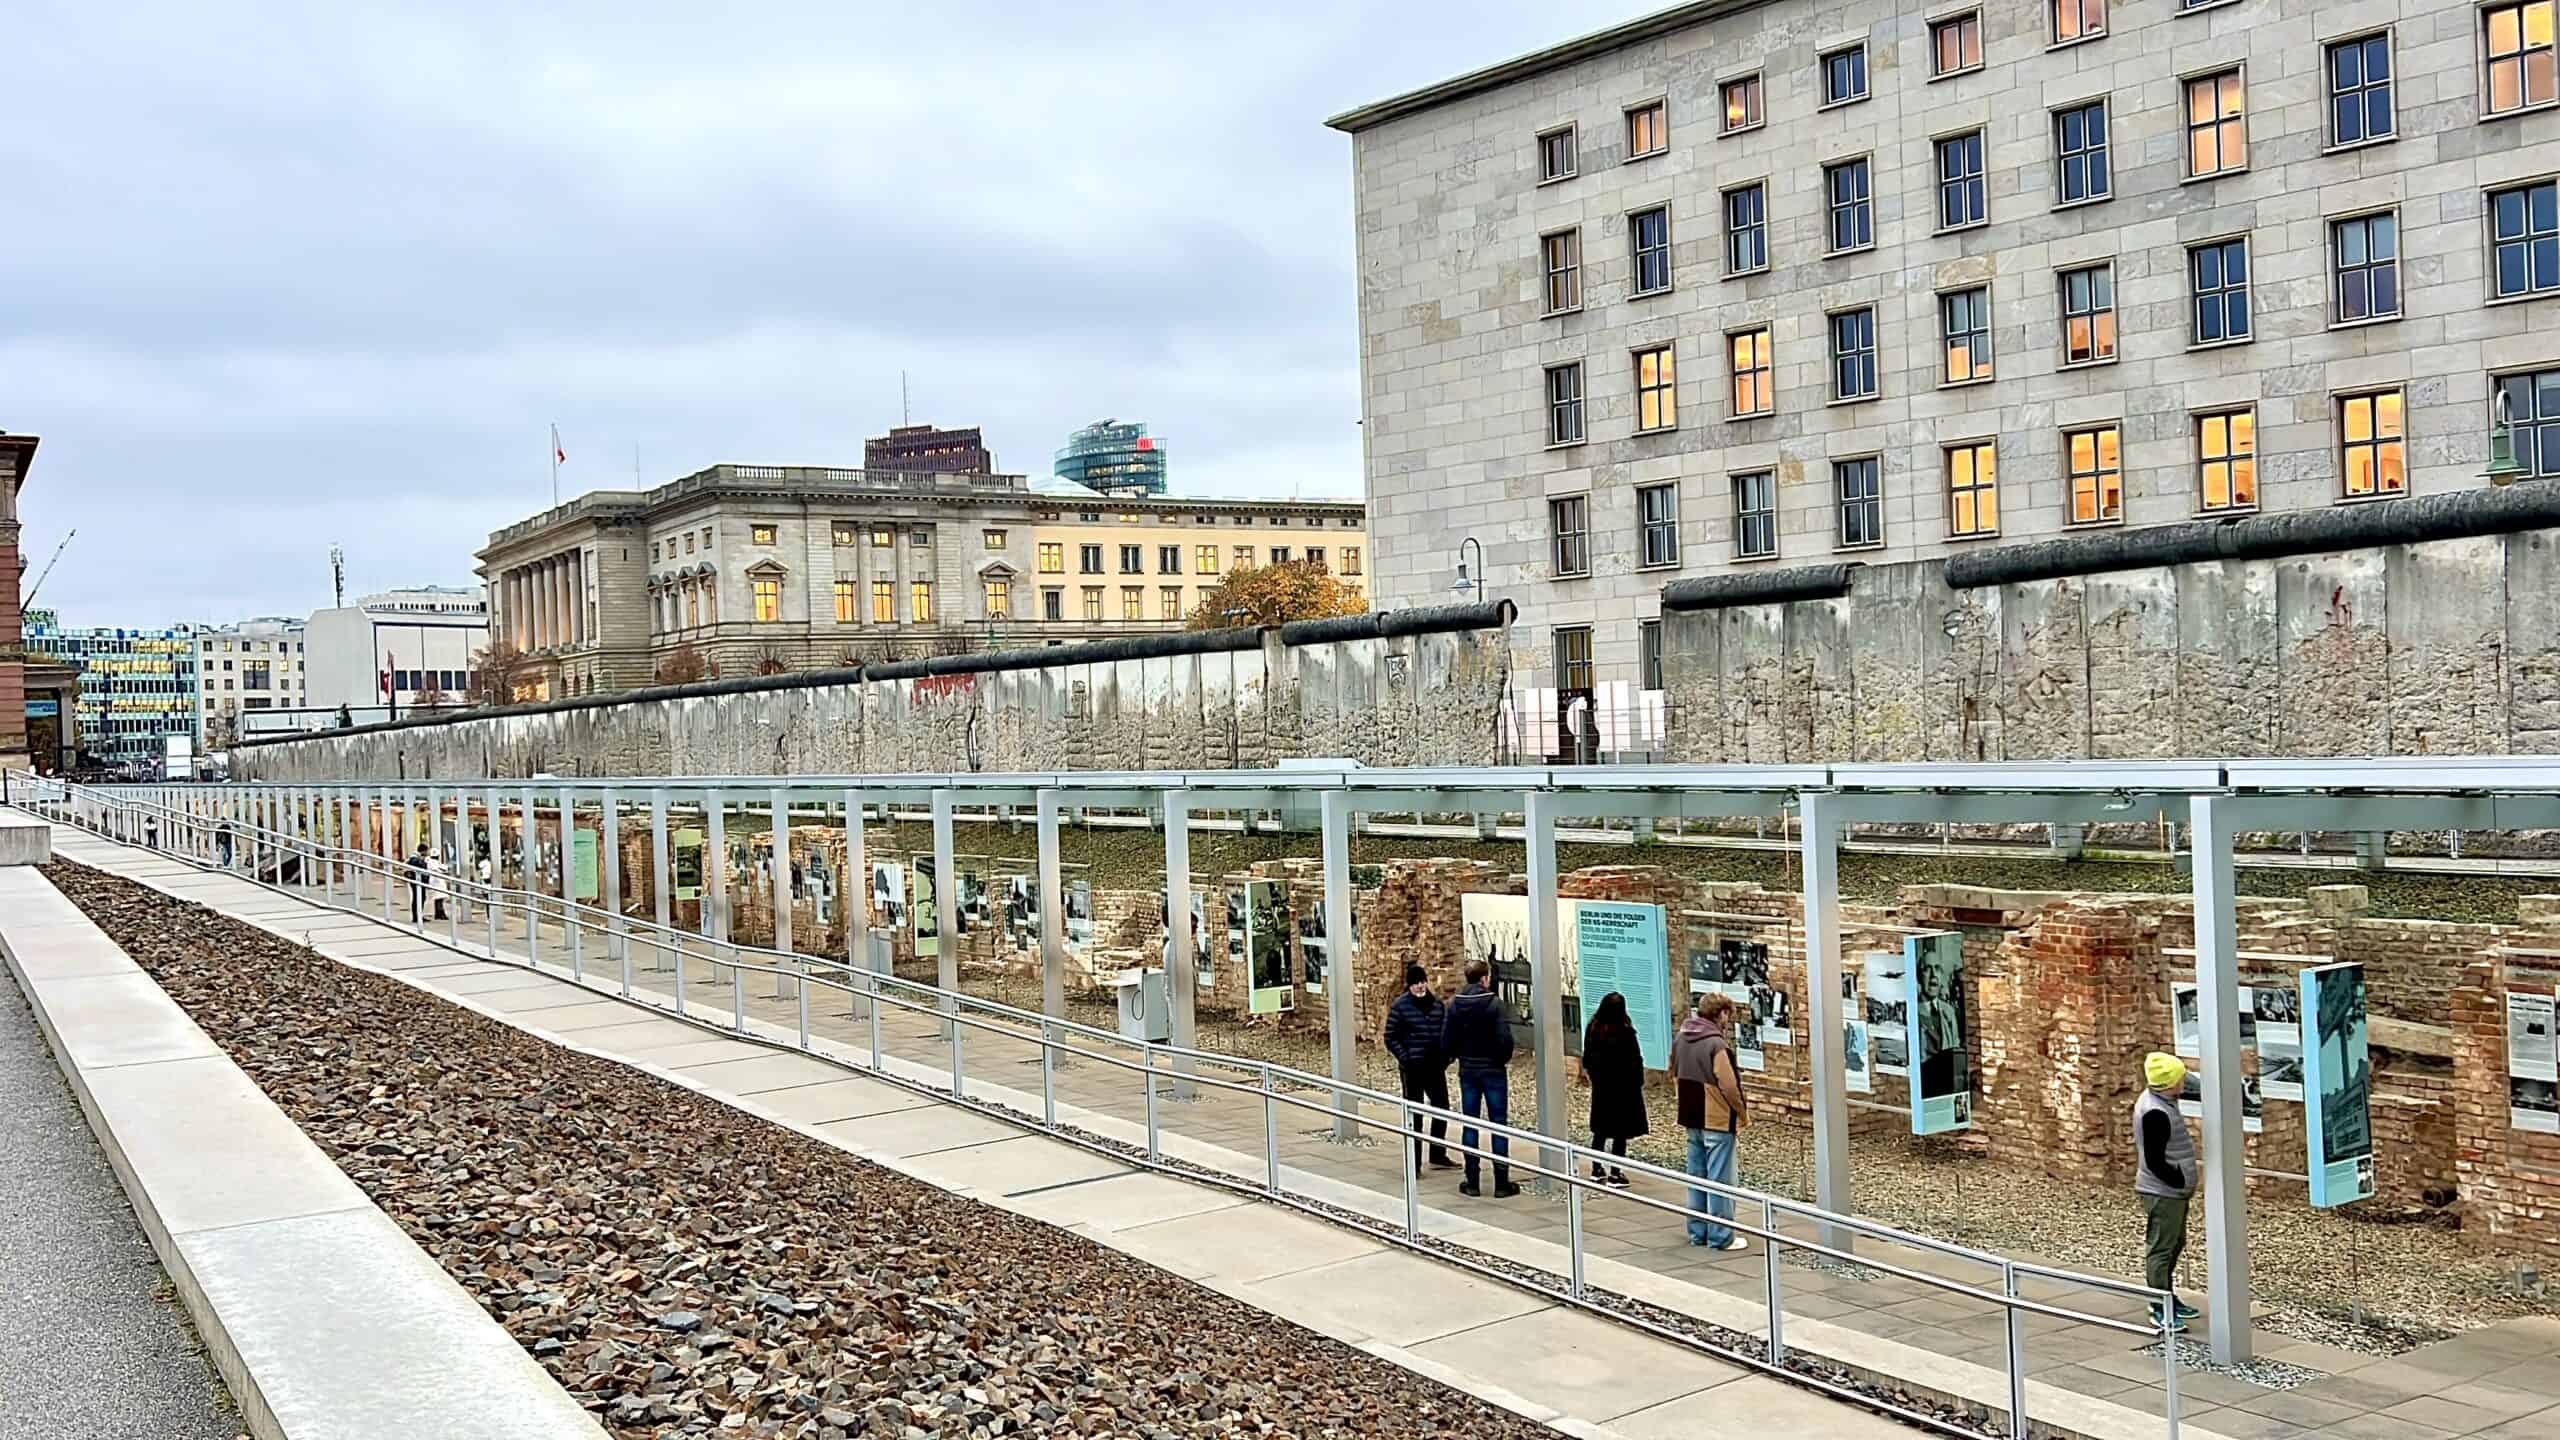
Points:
[(1079, 918), (2533, 1064), (1886, 979), (1942, 1087), (927, 919), (2338, 1074), (1266, 946), (889, 894), (1495, 930)]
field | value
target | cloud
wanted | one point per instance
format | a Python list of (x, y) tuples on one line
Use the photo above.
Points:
[(291, 275)]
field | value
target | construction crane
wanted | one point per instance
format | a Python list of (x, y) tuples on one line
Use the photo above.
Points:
[(30, 597)]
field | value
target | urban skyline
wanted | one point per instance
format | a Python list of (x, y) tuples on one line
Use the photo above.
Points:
[(264, 361)]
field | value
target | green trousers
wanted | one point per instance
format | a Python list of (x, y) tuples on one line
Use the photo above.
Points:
[(2164, 1238)]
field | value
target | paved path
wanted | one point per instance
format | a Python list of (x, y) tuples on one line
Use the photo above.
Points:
[(2502, 1382), (93, 1353)]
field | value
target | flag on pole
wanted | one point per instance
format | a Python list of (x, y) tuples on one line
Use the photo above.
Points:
[(558, 455)]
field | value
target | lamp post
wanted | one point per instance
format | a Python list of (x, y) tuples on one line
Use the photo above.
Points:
[(2504, 467), (1470, 581)]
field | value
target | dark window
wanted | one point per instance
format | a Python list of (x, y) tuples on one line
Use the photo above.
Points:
[(2096, 460), (1853, 354), (1844, 75), (1564, 404), (2360, 90), (1132, 560), (2518, 42), (2219, 273), (1658, 514), (1089, 559), (2524, 229), (1960, 197), (2372, 445), (1858, 488), (1755, 514), (1568, 521), (1168, 559), (2533, 408), (1053, 604), (2080, 152), (1556, 154), (1563, 257), (1573, 657), (2088, 314), (2366, 252), (1649, 652), (1746, 229), (1846, 189), (1649, 247), (1964, 320)]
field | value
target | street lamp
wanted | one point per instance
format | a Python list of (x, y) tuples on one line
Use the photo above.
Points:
[(1470, 580), (2504, 467)]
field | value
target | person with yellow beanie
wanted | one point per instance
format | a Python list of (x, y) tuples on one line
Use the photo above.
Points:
[(2164, 1180)]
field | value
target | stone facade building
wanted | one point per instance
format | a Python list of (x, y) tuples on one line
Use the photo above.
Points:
[(763, 568), (16, 453), (1748, 284)]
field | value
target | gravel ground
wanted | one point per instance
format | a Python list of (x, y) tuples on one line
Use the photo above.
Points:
[(2414, 1283), (100, 1348), (686, 1270)]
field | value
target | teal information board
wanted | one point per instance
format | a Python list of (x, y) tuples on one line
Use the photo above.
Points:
[(582, 862), (2337, 1084), (1621, 948)]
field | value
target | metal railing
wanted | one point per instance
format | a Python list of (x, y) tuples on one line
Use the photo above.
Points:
[(267, 856)]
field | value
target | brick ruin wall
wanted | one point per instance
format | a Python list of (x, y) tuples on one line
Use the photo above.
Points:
[(2065, 993)]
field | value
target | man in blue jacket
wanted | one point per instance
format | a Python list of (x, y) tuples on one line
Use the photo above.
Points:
[(1478, 1034), (1422, 1060)]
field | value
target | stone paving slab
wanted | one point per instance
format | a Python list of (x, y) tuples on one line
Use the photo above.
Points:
[(1585, 1366), (832, 1100), (1392, 1296), (767, 1071), (1010, 1168)]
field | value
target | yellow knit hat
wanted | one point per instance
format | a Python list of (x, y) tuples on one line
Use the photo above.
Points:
[(2163, 1072)]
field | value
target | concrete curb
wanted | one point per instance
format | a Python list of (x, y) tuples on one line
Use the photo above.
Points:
[(325, 1320)]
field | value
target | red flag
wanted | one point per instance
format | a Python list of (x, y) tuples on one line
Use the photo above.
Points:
[(558, 455)]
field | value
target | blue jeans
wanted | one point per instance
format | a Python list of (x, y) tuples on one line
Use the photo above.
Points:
[(1487, 1094), (1711, 1158)]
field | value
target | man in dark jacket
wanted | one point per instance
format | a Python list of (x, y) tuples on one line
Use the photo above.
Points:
[(1422, 1060), (1478, 1035)]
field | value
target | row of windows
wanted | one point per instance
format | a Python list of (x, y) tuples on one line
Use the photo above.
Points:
[(2519, 72), (2372, 455), (2364, 256), (1204, 558), (847, 533), (452, 682)]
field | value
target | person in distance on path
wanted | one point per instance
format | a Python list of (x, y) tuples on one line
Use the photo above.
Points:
[(1478, 1033), (417, 885), (2165, 1172), (1713, 1112), (1613, 1065), (1422, 1060)]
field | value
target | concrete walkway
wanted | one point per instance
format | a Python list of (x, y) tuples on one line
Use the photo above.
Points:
[(97, 1355), (1561, 1362)]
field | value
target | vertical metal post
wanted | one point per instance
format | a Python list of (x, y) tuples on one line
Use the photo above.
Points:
[(1270, 1134), (1341, 1017), (1048, 1080), (2017, 1351), (489, 896), (2226, 1190), (946, 909), (959, 1073), (777, 844), (1831, 1190), (617, 938), (1411, 1144), (529, 869), (1147, 1056), (857, 895), (661, 901), (1546, 979), (568, 864), (804, 1017), (387, 845), (1182, 961), (1769, 1264), (1573, 1227), (1053, 912), (715, 883)]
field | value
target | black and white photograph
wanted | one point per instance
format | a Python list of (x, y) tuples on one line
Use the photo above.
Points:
[(1235, 927), (2533, 1064), (1022, 911), (1706, 969), (1774, 1015), (2252, 1105), (926, 905), (2186, 1019), (2273, 1003), (889, 894), (1893, 1053), (2280, 1071), (1311, 948), (1266, 928), (1746, 962), (1853, 1054), (1496, 930), (1939, 964), (1079, 918), (2533, 1104), (1890, 1009)]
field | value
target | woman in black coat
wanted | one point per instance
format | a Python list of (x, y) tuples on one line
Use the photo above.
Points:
[(1613, 1065)]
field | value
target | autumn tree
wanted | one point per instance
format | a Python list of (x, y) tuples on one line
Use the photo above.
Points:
[(1275, 595), (683, 665), (495, 672)]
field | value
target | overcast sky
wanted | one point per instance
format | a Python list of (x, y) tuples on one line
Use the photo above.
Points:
[(316, 276)]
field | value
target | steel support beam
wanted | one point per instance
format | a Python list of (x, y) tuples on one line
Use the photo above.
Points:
[(1546, 977), (661, 878), (857, 884), (1053, 911), (2216, 820), (946, 908), (1824, 1021), (777, 846), (1181, 958), (1341, 1013)]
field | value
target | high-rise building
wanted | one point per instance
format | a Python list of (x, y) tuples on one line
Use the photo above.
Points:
[(1114, 457), (244, 669), (1787, 288), (137, 686), (926, 448)]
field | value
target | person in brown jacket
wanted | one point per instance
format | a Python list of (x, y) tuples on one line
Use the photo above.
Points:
[(1712, 1110)]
